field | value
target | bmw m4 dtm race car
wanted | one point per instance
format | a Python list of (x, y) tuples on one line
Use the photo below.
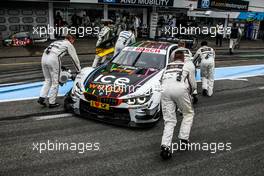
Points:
[(125, 89)]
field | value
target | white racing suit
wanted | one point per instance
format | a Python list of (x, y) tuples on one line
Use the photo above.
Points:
[(103, 35), (124, 39), (51, 66), (186, 51), (188, 57), (178, 84), (206, 58)]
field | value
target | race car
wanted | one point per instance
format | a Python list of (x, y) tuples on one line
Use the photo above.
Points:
[(18, 39), (126, 89)]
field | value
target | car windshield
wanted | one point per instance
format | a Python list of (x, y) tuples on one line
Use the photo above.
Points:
[(21, 35), (140, 59)]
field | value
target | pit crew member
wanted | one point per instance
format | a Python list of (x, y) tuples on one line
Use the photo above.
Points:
[(51, 67), (178, 83), (104, 35), (124, 39), (205, 56), (187, 58)]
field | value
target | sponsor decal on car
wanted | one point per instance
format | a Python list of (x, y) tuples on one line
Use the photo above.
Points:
[(111, 79), (146, 50), (99, 105), (18, 42), (106, 88)]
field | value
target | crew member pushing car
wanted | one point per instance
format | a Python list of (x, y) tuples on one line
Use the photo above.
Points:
[(51, 66), (205, 56), (187, 58), (178, 83), (124, 39)]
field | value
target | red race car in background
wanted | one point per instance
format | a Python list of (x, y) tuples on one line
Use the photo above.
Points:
[(18, 39)]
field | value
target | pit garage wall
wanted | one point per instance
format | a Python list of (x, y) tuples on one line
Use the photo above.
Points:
[(22, 17)]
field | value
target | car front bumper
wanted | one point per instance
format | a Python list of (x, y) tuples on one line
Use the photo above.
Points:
[(142, 116)]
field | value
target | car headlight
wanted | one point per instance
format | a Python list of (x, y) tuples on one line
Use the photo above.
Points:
[(141, 100), (131, 101), (137, 100)]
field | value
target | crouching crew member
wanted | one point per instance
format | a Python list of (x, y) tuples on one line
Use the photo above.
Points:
[(205, 56), (51, 67), (178, 84), (188, 57)]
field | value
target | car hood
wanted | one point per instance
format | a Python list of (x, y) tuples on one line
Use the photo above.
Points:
[(117, 81)]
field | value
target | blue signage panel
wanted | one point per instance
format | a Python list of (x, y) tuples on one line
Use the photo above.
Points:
[(251, 16)]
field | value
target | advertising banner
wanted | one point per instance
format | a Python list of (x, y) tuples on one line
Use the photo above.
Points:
[(223, 4), (140, 2)]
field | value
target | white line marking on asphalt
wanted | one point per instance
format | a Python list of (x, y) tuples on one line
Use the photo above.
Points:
[(256, 65), (234, 77), (239, 79), (11, 84), (22, 63), (28, 98), (56, 116), (253, 55), (261, 88)]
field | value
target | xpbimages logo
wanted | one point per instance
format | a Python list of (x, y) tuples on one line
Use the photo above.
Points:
[(81, 31), (192, 30), (80, 147), (212, 147)]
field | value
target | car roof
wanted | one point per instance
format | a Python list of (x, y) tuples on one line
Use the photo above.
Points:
[(152, 44)]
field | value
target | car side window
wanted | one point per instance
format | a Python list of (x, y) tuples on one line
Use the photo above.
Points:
[(21, 35)]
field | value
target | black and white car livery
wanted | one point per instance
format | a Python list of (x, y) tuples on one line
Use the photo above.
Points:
[(124, 90)]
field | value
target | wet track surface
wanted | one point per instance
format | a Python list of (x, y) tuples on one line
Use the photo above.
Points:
[(235, 114), (28, 69)]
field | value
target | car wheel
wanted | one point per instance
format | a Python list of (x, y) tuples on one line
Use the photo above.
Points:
[(67, 102)]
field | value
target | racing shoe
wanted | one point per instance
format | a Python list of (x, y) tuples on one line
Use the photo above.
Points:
[(165, 152), (195, 99), (205, 93), (54, 105), (41, 101)]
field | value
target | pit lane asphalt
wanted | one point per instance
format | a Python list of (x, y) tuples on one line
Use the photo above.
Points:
[(28, 69), (234, 114)]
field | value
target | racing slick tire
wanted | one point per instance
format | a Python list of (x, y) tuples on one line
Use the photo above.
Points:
[(67, 102)]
